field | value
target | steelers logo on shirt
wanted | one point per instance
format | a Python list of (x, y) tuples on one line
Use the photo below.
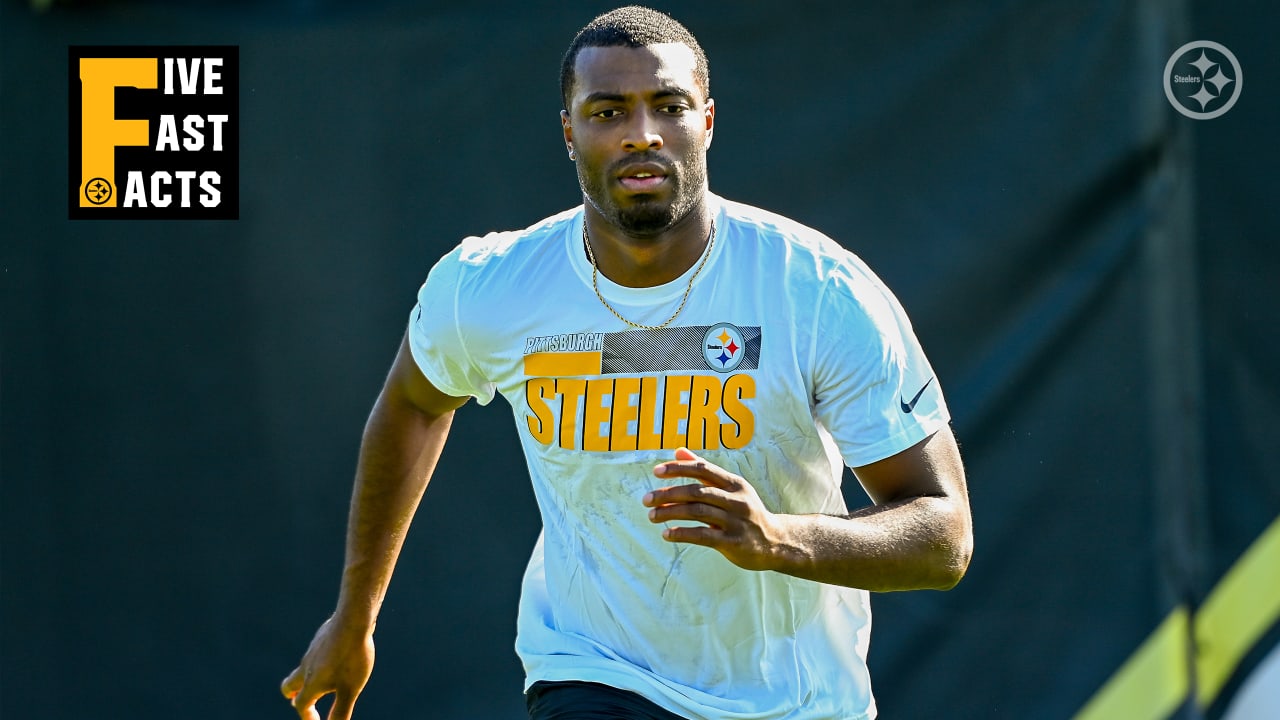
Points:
[(723, 347)]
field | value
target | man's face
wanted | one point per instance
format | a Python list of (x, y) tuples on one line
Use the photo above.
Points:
[(640, 127)]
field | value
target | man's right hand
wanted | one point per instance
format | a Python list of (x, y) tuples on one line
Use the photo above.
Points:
[(398, 453), (338, 661)]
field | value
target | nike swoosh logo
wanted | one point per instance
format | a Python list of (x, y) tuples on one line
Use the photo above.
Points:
[(909, 406)]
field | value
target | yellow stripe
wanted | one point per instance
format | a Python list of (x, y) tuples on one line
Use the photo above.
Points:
[(1152, 683), (562, 364), (1243, 606)]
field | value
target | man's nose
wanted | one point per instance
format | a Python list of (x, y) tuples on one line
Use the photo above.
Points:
[(642, 134)]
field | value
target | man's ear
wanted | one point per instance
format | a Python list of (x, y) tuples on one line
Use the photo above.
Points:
[(568, 129), (710, 113)]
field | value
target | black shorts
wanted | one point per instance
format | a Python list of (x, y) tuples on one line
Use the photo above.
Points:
[(575, 700)]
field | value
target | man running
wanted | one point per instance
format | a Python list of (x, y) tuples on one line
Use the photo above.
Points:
[(688, 375)]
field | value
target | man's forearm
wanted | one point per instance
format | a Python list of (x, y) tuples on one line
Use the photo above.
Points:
[(918, 535), (398, 453), (916, 543)]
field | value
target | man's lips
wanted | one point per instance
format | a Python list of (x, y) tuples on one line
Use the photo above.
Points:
[(642, 177), (640, 183)]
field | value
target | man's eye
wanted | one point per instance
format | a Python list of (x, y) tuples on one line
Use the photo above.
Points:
[(608, 113), (672, 109)]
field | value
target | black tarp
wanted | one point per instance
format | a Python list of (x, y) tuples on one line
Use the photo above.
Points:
[(1092, 274)]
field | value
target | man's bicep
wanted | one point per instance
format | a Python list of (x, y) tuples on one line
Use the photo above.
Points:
[(873, 387), (406, 382), (930, 468)]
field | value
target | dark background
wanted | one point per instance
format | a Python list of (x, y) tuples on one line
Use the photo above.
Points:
[(1092, 274)]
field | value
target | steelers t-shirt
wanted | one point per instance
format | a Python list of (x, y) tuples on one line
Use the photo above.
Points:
[(789, 358)]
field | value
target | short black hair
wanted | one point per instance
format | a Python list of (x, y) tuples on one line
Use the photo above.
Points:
[(632, 26)]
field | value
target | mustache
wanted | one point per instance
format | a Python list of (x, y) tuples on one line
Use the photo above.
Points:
[(645, 158)]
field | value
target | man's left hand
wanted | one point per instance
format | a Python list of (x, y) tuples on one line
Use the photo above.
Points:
[(737, 524)]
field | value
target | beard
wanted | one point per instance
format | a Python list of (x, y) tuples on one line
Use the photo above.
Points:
[(646, 218), (647, 215)]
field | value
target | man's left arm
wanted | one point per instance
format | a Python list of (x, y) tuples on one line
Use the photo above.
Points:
[(918, 535)]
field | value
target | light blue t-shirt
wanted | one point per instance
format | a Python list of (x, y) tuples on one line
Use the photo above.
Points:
[(788, 358)]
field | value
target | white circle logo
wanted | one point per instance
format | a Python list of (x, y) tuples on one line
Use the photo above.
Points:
[(723, 347), (1202, 79)]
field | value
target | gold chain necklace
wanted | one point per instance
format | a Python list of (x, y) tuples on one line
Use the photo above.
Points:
[(595, 284)]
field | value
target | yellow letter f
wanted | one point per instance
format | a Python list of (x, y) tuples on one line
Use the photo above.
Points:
[(100, 131)]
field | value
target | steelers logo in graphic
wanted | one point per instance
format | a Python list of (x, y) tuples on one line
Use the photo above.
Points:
[(97, 191), (723, 347)]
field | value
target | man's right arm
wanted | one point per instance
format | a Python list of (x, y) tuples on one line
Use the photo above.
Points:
[(398, 453)]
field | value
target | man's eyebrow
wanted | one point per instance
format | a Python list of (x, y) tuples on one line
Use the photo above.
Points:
[(601, 96), (673, 91)]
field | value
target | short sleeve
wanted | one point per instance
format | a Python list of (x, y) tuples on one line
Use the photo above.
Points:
[(435, 338), (874, 390)]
